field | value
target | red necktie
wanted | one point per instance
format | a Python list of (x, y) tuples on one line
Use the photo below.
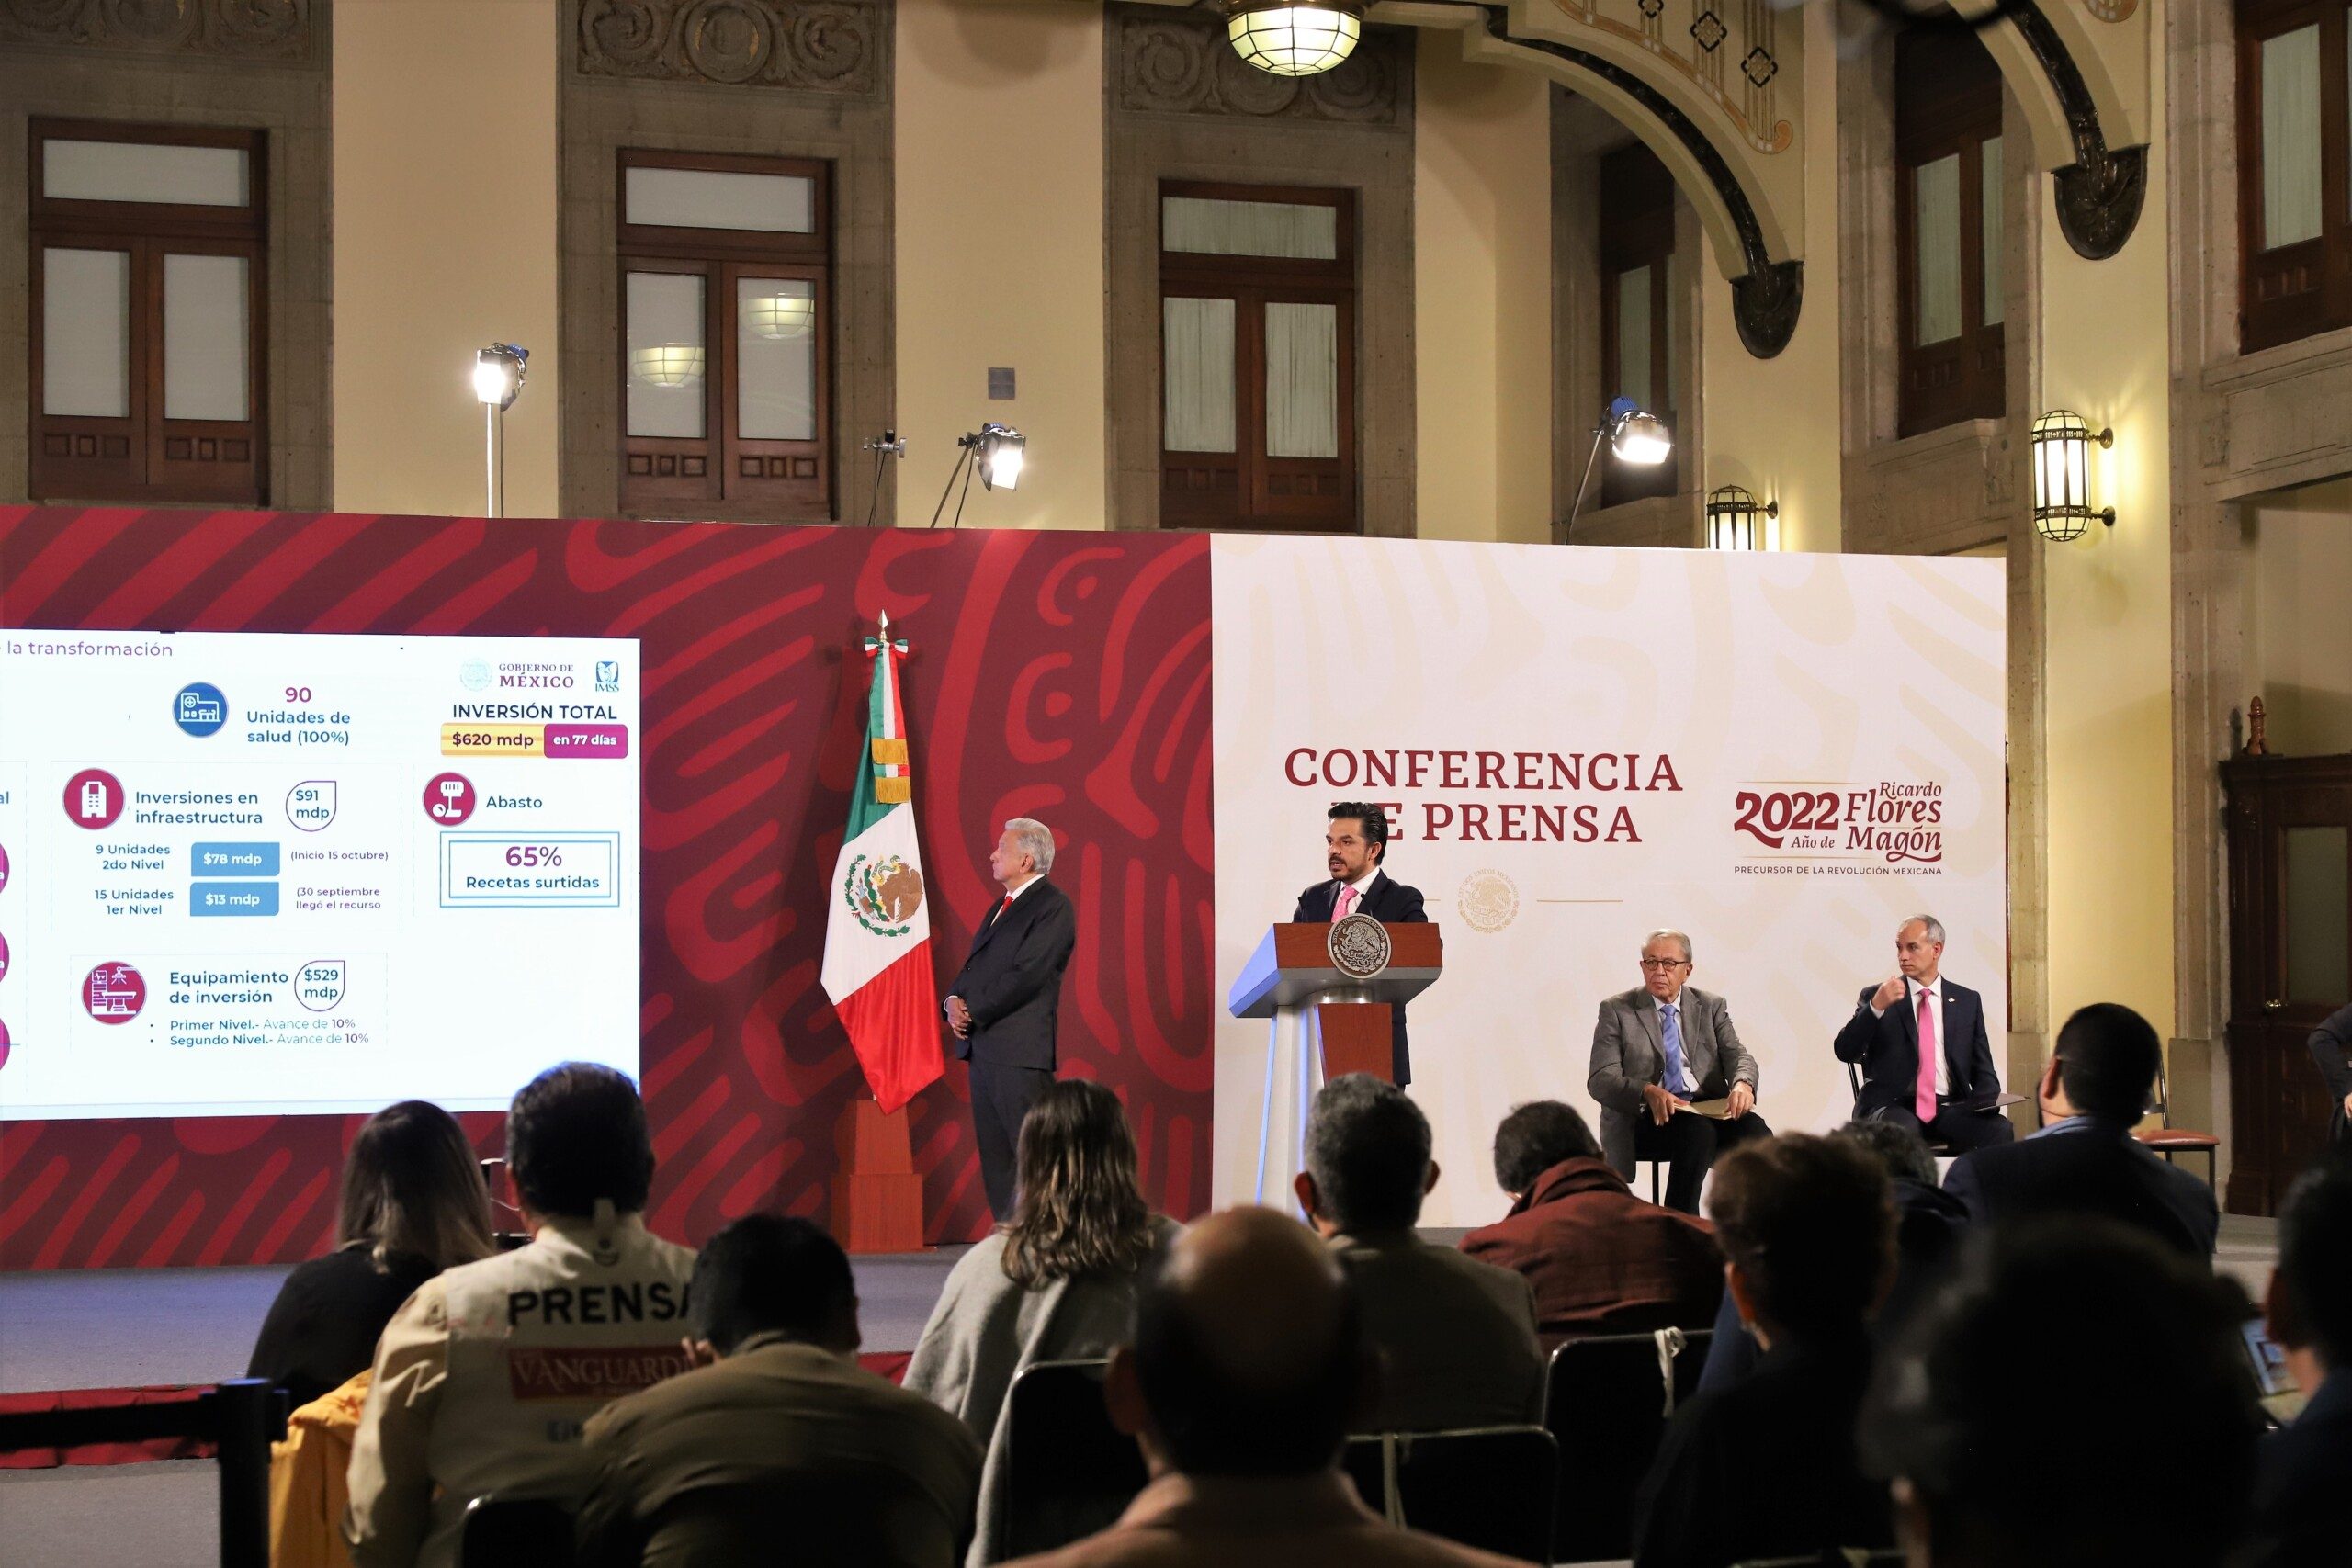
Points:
[(1000, 909), (1924, 1101)]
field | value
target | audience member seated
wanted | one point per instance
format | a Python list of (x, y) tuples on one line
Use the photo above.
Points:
[(413, 1204), (717, 1465), (2306, 1470), (1055, 1284), (1765, 1467), (2077, 1397), (1456, 1336), (1928, 1225), (483, 1378), (1599, 1259), (1242, 1412), (2085, 1159)]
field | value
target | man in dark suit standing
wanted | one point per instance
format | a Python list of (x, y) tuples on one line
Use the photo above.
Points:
[(1354, 846), (1002, 1007), (1923, 1053), (2085, 1159)]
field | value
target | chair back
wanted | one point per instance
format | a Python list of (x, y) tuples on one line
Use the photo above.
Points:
[(515, 1532), (1068, 1471), (1607, 1402), (1854, 1083), (1489, 1488)]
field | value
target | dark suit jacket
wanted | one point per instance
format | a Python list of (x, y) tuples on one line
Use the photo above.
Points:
[(2092, 1169), (2298, 1489), (2330, 1044), (1012, 979), (1390, 902), (1602, 1261), (1765, 1467), (1887, 1046)]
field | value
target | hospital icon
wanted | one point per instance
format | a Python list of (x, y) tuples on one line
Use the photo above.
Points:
[(114, 992), (200, 709)]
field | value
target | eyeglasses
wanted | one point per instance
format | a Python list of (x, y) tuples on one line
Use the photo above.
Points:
[(1665, 963)]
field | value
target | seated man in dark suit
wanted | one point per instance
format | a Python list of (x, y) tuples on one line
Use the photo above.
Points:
[(2306, 1470), (1929, 1225), (1921, 1044), (1600, 1260), (2085, 1159), (1766, 1467), (1355, 850), (1456, 1337), (1657, 1048), (2136, 1445), (706, 1466), (2331, 1048)]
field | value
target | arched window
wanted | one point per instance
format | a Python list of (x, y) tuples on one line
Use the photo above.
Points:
[(1948, 161), (1637, 298)]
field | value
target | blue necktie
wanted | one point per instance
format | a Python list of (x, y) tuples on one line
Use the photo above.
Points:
[(1677, 1080)]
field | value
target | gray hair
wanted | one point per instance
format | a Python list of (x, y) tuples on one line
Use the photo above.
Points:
[(1037, 841), (1934, 926), (1671, 932), (1367, 1146)]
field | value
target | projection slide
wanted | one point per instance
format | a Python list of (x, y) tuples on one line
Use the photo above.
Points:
[(249, 874)]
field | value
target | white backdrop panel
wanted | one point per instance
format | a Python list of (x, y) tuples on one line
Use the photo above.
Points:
[(1683, 691)]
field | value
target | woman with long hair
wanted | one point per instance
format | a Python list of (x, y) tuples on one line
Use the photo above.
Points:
[(1057, 1283), (413, 1204)]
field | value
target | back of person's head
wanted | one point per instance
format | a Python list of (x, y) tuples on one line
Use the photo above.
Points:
[(2078, 1397), (2311, 1296), (2108, 1057), (1898, 1146), (774, 1274), (1249, 1348), (576, 1136), (1809, 1222), (412, 1187), (1079, 1209), (1534, 1138), (1368, 1154)]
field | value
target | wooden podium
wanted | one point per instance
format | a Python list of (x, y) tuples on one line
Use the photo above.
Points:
[(1327, 1019), (877, 1196)]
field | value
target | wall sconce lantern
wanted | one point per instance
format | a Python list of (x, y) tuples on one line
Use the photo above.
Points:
[(1291, 39), (1735, 521), (667, 363), (2062, 475)]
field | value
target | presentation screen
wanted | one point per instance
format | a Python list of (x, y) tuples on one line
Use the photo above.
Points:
[(245, 873)]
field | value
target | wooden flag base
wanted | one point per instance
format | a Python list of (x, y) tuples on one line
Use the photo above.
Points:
[(877, 1195)]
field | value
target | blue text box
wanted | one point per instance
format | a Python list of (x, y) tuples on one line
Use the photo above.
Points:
[(232, 860), (231, 900)]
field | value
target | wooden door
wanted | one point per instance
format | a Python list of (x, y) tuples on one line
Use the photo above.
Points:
[(2290, 961)]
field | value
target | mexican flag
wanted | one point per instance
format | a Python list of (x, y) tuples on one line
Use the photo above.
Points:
[(877, 940)]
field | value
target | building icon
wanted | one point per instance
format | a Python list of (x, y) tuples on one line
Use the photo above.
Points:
[(94, 799)]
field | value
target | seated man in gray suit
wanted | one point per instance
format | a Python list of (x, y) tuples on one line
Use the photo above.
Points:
[(1656, 1049), (1456, 1336)]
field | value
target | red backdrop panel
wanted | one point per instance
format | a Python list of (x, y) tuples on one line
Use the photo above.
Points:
[(1063, 676)]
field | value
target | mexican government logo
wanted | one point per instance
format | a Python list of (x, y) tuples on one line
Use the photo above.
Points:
[(884, 893), (1488, 901), (1359, 947)]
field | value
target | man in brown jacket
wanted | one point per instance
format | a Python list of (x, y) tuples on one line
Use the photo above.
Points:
[(1600, 1260), (1242, 1412)]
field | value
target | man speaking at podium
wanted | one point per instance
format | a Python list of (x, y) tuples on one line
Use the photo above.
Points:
[(1354, 845)]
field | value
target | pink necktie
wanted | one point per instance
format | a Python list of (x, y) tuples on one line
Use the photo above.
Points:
[(1924, 1103), (1345, 906)]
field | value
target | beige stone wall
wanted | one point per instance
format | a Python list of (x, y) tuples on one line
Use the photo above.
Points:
[(1482, 241), (2302, 632), (445, 241)]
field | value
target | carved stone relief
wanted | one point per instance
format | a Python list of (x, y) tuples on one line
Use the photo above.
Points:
[(813, 46), (269, 30), (1173, 62)]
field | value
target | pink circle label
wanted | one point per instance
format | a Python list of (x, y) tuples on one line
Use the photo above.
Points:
[(4, 865), (449, 798), (3, 957), (114, 992), (93, 798)]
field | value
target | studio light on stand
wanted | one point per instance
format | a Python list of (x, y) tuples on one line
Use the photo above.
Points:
[(1634, 435), (891, 444), (498, 381), (997, 452)]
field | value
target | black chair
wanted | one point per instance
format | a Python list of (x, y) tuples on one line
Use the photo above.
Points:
[(240, 1418), (515, 1532), (1606, 1403), (1068, 1471), (1490, 1487)]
